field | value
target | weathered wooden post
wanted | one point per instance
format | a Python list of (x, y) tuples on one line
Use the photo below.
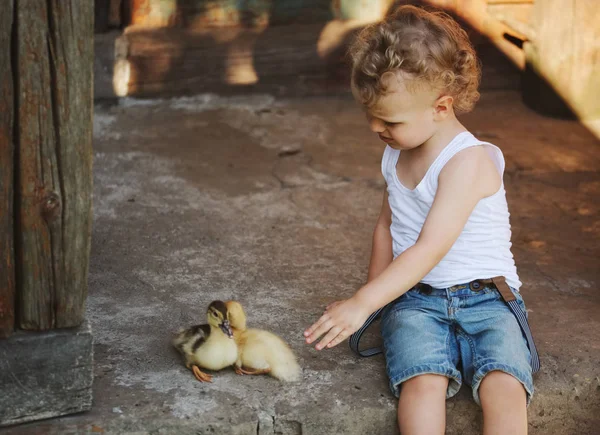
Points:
[(7, 269), (46, 61), (55, 161)]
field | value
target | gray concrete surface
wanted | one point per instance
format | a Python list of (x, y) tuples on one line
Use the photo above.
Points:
[(273, 203)]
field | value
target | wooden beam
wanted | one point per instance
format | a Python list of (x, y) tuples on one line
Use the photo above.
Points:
[(55, 52), (72, 33), (523, 28), (510, 2), (475, 12), (567, 60), (7, 270)]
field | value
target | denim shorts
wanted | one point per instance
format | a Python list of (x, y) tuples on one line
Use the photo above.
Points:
[(457, 332)]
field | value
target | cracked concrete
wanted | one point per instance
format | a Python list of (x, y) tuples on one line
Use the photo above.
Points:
[(272, 202)]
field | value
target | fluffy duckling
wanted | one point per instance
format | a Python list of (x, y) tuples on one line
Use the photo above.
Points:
[(260, 351), (209, 346)]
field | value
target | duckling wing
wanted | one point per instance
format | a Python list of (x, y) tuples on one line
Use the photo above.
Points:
[(203, 332), (190, 339)]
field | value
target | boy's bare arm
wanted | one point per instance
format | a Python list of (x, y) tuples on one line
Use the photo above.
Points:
[(465, 180)]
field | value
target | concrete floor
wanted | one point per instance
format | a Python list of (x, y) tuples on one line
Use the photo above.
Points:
[(272, 202)]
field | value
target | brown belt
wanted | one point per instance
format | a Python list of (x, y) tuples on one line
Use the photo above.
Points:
[(502, 286), (479, 284)]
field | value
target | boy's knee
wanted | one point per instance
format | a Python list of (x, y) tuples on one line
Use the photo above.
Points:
[(501, 381), (425, 384)]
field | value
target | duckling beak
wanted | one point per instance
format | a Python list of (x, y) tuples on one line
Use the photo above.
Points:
[(226, 328)]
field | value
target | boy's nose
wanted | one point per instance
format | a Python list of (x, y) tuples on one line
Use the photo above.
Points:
[(377, 125)]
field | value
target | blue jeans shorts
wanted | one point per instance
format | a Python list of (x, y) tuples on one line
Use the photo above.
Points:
[(457, 332)]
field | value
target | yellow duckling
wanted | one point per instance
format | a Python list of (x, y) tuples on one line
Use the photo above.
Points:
[(260, 351), (210, 346)]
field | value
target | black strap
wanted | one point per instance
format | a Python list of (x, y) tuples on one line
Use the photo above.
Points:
[(355, 338)]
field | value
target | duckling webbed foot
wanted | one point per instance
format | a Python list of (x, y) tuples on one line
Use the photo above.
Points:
[(200, 375), (242, 371)]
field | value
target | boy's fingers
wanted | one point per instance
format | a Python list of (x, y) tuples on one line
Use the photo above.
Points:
[(321, 328), (314, 326), (326, 326), (333, 333), (337, 340)]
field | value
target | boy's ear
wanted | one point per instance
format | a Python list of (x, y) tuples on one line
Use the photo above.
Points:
[(443, 107)]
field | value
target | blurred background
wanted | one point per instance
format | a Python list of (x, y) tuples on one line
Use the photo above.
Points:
[(548, 49)]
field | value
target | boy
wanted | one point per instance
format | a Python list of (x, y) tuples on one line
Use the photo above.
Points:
[(442, 234)]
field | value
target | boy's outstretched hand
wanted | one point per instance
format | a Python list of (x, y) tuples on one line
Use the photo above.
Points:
[(340, 320)]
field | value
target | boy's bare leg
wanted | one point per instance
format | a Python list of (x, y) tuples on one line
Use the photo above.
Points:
[(504, 404), (422, 405)]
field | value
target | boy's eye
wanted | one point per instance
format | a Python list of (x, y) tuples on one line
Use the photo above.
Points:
[(392, 124)]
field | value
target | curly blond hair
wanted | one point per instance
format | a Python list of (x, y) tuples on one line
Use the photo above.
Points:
[(428, 47)]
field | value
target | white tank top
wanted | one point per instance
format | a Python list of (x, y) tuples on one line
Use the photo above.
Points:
[(483, 248)]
